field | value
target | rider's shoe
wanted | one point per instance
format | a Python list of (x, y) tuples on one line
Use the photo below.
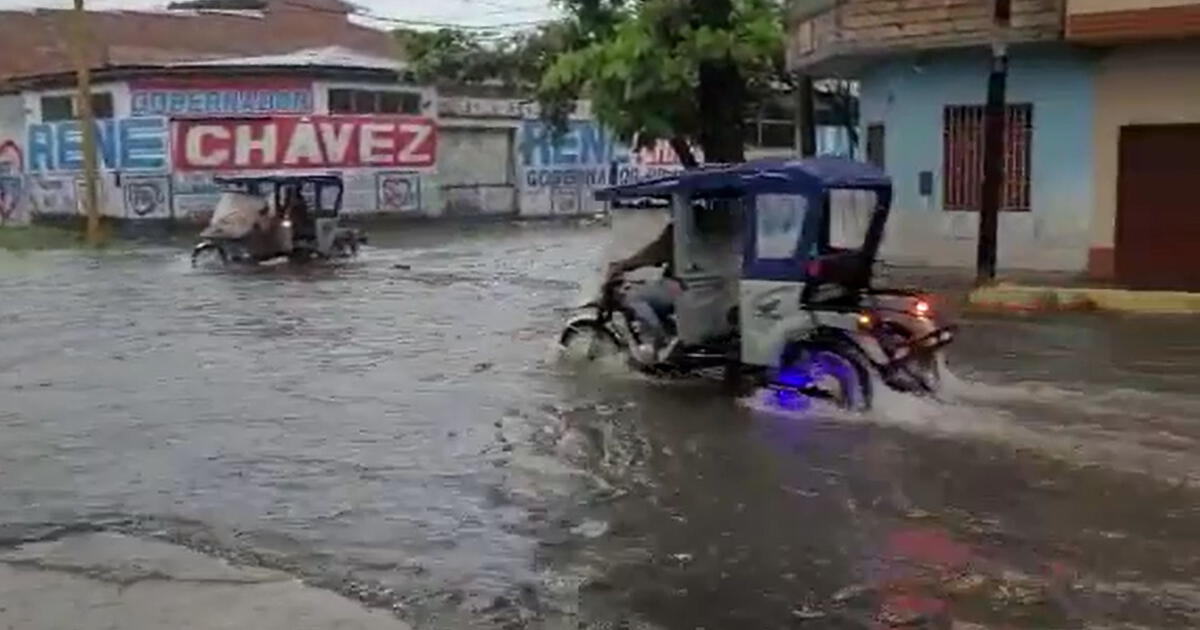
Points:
[(644, 354), (666, 352)]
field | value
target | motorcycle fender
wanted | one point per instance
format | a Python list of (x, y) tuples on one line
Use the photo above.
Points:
[(585, 317), (805, 325)]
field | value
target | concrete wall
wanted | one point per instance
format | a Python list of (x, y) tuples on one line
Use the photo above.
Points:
[(477, 170), (1135, 85), (909, 94)]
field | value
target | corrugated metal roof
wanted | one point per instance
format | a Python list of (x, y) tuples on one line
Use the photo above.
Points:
[(329, 56)]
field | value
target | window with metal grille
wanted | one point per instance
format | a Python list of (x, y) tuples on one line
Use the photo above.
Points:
[(346, 101), (56, 108), (962, 157)]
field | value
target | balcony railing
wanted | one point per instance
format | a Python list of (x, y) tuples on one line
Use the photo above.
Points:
[(831, 30)]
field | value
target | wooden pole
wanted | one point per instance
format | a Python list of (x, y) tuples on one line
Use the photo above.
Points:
[(87, 122), (992, 195), (806, 133)]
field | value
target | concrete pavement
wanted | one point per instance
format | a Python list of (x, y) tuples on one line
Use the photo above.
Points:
[(102, 581)]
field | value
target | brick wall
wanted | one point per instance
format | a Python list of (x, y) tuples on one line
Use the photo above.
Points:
[(863, 27)]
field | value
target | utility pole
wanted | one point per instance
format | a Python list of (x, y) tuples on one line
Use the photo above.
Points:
[(806, 132), (992, 195), (87, 121)]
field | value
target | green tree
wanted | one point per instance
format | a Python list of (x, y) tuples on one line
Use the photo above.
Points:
[(682, 70), (458, 57)]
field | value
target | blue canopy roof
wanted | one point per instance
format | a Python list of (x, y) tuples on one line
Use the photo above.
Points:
[(758, 176)]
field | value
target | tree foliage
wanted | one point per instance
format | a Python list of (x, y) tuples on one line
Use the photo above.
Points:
[(681, 70), (452, 56)]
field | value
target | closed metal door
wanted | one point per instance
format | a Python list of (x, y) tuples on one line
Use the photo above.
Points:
[(1158, 210)]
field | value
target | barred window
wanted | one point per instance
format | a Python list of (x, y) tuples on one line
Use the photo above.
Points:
[(962, 168), (346, 101)]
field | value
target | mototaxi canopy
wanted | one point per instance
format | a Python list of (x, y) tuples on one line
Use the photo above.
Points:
[(788, 226), (810, 177)]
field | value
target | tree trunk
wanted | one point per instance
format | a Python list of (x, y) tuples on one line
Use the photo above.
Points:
[(806, 126), (721, 94), (683, 151)]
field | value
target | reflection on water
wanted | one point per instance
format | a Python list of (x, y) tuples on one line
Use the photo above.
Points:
[(397, 428)]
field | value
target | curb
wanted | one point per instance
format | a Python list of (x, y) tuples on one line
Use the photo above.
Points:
[(1018, 298)]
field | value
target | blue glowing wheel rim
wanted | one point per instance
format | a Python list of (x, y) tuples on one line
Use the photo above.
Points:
[(829, 372)]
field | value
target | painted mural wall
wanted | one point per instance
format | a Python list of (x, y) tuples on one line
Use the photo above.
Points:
[(908, 95), (559, 174), (168, 141), (14, 193)]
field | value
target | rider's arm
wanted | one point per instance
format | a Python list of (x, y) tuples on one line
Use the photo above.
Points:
[(659, 252)]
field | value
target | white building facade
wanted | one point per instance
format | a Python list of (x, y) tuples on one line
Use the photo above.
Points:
[(165, 134)]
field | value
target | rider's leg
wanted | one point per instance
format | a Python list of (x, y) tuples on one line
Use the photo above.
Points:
[(653, 303)]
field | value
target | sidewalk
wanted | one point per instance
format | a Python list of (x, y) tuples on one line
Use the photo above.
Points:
[(101, 581), (1035, 298), (1038, 292)]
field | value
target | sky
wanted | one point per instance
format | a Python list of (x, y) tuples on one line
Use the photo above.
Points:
[(471, 13)]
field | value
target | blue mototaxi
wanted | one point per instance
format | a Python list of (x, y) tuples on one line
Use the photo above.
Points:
[(776, 260)]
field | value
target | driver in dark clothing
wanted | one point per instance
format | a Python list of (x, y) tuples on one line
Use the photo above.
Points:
[(653, 302), (303, 226)]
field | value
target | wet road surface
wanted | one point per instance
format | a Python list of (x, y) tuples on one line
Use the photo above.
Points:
[(398, 429)]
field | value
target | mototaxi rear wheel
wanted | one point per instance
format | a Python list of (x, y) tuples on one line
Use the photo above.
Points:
[(835, 371)]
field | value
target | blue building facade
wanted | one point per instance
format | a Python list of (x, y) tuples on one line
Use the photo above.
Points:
[(906, 99)]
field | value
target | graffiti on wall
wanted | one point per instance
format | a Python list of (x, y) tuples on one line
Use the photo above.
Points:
[(398, 192), (581, 155), (466, 106), (587, 155), (12, 181), (147, 197), (195, 98), (52, 195), (559, 173), (305, 143), (128, 144), (193, 195)]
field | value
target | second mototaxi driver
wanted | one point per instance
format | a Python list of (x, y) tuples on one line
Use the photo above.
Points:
[(654, 301)]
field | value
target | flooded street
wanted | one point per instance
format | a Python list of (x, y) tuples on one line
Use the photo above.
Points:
[(399, 430)]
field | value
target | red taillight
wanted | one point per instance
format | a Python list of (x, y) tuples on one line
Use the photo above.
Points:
[(814, 269), (923, 309)]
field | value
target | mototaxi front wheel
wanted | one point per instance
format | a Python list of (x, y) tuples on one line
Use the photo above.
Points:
[(209, 255), (921, 373), (588, 341)]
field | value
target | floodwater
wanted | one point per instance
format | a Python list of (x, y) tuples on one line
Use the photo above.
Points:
[(400, 430)]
